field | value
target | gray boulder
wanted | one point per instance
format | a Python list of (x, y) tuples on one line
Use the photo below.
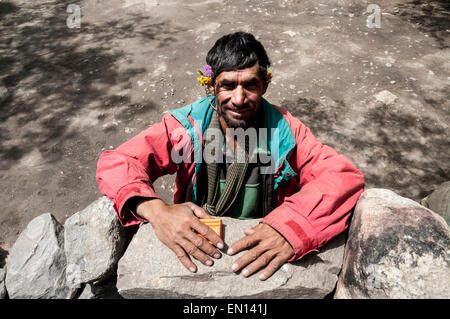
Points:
[(149, 269), (439, 201), (94, 241), (2, 284), (36, 263), (396, 248)]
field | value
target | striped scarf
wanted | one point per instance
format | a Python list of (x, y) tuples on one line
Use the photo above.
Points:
[(218, 204)]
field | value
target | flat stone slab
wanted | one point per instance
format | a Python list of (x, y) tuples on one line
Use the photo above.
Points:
[(149, 269)]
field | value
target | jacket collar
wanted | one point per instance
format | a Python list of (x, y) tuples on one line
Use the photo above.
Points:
[(280, 138)]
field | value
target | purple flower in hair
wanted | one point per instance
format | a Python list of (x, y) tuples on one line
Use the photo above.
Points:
[(207, 71)]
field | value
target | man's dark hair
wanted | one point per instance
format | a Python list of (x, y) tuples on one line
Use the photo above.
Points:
[(236, 51)]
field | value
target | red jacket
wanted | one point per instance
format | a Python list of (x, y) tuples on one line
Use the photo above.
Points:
[(316, 188)]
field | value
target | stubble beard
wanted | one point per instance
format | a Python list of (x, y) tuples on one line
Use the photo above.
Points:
[(244, 124)]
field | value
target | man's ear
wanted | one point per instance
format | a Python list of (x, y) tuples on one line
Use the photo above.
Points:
[(211, 89), (266, 85)]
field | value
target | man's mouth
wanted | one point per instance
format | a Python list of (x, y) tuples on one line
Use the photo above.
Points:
[(238, 112)]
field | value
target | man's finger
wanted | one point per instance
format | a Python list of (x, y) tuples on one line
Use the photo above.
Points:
[(249, 257), (274, 264), (262, 261), (249, 231), (203, 245), (195, 252), (208, 233), (198, 211), (241, 244), (183, 258)]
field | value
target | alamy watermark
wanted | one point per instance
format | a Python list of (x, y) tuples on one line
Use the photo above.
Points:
[(74, 19), (374, 19), (228, 148)]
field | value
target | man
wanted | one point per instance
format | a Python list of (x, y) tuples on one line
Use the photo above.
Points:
[(304, 197)]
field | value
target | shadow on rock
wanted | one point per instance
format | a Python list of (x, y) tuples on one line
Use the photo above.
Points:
[(7, 8), (3, 256)]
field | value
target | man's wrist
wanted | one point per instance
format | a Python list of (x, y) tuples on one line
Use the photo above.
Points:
[(145, 207)]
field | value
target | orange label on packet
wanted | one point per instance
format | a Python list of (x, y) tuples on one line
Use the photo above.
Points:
[(213, 223)]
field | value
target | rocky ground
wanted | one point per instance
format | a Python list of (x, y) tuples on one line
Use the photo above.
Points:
[(378, 95)]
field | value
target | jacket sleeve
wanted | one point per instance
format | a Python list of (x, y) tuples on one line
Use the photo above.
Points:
[(329, 186), (131, 169)]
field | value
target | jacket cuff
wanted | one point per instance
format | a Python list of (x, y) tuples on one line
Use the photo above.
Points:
[(126, 214), (295, 228)]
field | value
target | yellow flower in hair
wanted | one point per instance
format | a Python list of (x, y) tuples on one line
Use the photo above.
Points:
[(207, 80), (269, 77), (204, 80), (205, 75)]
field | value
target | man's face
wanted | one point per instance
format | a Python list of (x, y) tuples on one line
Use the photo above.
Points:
[(238, 95)]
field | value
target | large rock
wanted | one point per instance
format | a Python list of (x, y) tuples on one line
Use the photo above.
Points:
[(2, 284), (37, 263), (94, 242), (439, 201), (149, 269), (396, 249)]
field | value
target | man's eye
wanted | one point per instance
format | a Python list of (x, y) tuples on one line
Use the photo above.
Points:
[(227, 86), (251, 86)]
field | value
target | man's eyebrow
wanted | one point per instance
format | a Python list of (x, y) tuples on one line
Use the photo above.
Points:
[(227, 82), (251, 80), (232, 82)]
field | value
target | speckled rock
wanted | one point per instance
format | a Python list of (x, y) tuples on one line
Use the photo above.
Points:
[(94, 241), (36, 264), (396, 249)]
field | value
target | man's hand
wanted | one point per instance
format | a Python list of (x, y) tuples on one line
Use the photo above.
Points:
[(270, 250), (178, 226)]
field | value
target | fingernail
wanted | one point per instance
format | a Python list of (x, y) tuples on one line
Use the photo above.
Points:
[(220, 245), (217, 255), (209, 262), (230, 251), (192, 269), (245, 272), (234, 267), (262, 277)]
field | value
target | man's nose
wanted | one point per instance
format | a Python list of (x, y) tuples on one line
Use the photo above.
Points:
[(238, 98)]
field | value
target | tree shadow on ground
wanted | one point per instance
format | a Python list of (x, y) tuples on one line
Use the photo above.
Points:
[(394, 150), (6, 8), (50, 72), (432, 17)]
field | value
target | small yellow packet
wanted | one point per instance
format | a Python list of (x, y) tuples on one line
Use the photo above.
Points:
[(213, 223)]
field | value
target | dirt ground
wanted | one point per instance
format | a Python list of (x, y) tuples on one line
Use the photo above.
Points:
[(67, 94)]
